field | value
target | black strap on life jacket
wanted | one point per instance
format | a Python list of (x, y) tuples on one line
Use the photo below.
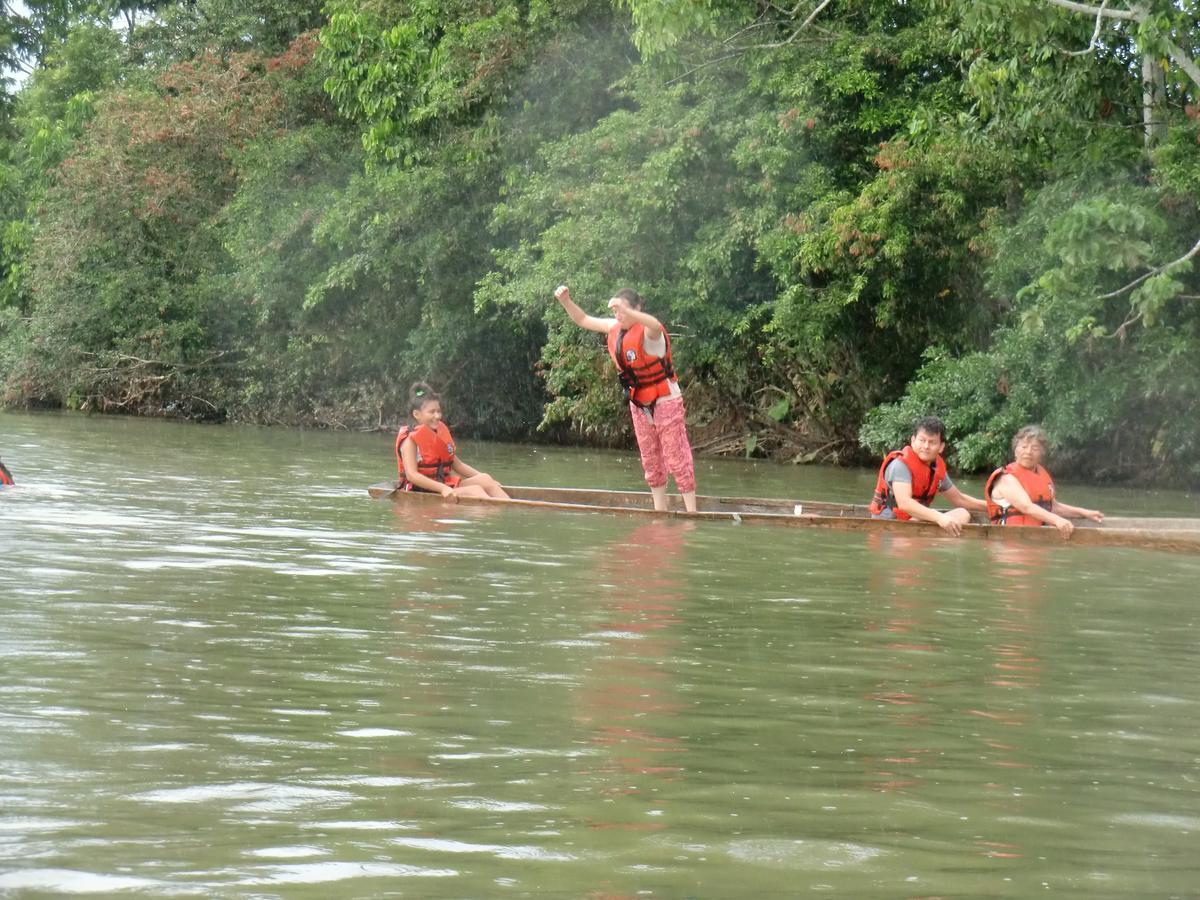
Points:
[(927, 499), (439, 472), (438, 475)]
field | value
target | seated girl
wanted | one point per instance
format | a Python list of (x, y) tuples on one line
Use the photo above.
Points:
[(425, 454)]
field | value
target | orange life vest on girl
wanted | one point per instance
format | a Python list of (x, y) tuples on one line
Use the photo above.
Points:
[(5, 476), (925, 480), (435, 454), (644, 378), (1038, 485)]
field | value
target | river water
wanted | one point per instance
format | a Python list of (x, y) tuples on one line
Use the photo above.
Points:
[(226, 672)]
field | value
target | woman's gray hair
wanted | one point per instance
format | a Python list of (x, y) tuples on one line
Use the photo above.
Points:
[(1030, 432)]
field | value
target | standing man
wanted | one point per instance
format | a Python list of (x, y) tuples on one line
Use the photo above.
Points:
[(641, 351), (909, 479), (1022, 493)]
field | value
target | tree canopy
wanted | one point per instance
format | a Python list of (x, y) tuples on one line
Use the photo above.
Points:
[(850, 213)]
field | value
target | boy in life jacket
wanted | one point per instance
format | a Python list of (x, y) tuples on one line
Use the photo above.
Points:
[(640, 349), (909, 479), (1022, 493), (426, 458), (5, 475)]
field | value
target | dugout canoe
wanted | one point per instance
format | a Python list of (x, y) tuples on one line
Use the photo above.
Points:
[(1165, 533)]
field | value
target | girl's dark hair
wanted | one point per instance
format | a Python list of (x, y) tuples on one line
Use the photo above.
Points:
[(634, 298), (420, 394)]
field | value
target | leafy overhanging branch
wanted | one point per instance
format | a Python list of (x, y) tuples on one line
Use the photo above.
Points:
[(1140, 15), (1158, 270)]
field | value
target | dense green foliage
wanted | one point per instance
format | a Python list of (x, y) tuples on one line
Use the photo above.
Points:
[(849, 213)]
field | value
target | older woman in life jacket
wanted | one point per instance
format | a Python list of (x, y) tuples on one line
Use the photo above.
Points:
[(426, 457), (1022, 493), (641, 351)]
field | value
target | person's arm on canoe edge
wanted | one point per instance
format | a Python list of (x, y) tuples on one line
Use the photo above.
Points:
[(592, 323), (950, 522), (1007, 487), (408, 455), (1078, 512), (955, 497)]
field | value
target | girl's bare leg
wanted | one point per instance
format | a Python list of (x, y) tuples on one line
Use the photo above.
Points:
[(486, 483), (473, 491)]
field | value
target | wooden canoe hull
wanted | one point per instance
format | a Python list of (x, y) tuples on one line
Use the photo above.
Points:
[(1177, 534)]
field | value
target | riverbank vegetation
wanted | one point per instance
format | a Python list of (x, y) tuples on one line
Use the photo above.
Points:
[(850, 212)]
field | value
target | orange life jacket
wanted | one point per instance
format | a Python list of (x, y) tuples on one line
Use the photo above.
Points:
[(435, 454), (925, 480), (644, 378), (5, 475), (1038, 485)]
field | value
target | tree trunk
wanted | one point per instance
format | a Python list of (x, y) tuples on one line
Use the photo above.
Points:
[(1154, 99)]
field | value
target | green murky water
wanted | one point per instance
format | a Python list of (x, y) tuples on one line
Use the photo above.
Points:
[(224, 671)]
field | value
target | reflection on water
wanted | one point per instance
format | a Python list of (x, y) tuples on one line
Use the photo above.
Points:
[(226, 672), (627, 702)]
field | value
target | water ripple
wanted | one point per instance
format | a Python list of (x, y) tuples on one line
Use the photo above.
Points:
[(71, 881), (258, 794), (325, 872), (500, 851)]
